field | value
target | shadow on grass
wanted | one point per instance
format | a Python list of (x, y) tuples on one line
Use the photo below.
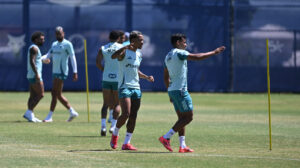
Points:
[(18, 121), (78, 136), (122, 151)]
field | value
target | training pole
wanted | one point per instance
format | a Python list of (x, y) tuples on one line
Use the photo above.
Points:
[(269, 94), (87, 82)]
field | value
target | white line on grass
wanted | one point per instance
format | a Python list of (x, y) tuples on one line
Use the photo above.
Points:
[(234, 156)]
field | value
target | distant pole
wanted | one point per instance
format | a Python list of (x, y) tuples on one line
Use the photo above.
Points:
[(87, 81), (269, 94)]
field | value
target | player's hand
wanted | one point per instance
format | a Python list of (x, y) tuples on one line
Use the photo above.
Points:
[(75, 77), (37, 78), (46, 61), (219, 50), (150, 78)]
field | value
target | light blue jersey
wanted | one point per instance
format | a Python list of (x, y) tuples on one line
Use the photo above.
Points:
[(38, 63), (128, 70), (176, 63), (60, 53), (111, 66)]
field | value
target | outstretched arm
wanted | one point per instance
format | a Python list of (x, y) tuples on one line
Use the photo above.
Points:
[(143, 76), (99, 60), (201, 56), (166, 77), (120, 54)]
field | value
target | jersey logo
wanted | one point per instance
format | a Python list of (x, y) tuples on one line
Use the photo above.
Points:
[(112, 76)]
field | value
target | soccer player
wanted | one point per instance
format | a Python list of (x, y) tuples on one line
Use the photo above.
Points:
[(175, 79), (126, 41), (129, 88), (34, 74), (110, 79), (61, 50)]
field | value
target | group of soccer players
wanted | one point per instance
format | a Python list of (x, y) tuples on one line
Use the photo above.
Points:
[(120, 82), (60, 52)]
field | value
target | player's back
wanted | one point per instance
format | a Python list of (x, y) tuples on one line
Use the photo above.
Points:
[(111, 66)]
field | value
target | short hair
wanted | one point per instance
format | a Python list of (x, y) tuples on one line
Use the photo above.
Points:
[(114, 35), (176, 37), (36, 35), (58, 29), (134, 34), (121, 33)]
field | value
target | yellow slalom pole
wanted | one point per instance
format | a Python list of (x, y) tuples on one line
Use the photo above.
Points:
[(87, 81), (269, 95)]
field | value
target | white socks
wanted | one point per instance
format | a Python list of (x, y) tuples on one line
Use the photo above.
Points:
[(113, 123), (169, 134), (116, 131), (127, 138), (71, 110), (28, 112), (182, 141), (49, 116), (103, 123)]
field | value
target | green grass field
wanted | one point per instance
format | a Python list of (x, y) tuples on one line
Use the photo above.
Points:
[(228, 130)]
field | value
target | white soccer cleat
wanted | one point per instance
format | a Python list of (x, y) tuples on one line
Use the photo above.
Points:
[(111, 130), (36, 120), (73, 115)]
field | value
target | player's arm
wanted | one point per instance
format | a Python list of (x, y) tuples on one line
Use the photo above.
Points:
[(120, 54), (166, 77), (99, 60), (143, 76), (201, 56), (73, 62), (33, 53)]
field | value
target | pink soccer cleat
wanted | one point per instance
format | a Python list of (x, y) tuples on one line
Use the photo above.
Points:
[(185, 150), (166, 143), (114, 141), (128, 147)]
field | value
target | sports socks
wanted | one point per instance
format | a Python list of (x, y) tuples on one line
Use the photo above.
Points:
[(116, 131), (113, 123), (103, 123), (169, 134), (49, 116), (182, 141), (127, 138)]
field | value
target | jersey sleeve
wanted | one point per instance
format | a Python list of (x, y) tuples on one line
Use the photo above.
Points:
[(70, 49), (182, 55)]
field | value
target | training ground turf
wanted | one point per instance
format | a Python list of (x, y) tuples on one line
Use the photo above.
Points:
[(228, 130)]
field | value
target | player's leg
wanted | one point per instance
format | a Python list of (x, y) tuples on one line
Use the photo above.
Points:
[(125, 106), (38, 89), (55, 88), (135, 105), (181, 135), (106, 101), (116, 110), (36, 94)]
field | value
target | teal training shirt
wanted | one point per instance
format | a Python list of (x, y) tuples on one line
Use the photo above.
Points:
[(38, 63), (60, 52), (176, 63), (128, 70), (111, 66)]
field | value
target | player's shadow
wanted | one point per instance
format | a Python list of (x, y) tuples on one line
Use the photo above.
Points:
[(78, 136), (92, 150), (111, 150)]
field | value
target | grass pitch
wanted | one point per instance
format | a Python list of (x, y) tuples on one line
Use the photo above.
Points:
[(228, 130)]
